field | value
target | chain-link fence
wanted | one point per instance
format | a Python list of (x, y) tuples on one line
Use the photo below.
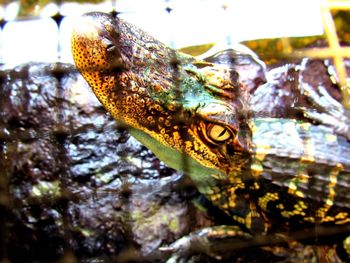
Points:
[(74, 186)]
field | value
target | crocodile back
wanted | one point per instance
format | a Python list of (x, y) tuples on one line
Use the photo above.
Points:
[(297, 175), (302, 172)]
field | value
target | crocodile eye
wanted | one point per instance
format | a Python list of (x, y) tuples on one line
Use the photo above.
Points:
[(218, 133)]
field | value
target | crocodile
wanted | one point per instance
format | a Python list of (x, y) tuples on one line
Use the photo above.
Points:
[(270, 175)]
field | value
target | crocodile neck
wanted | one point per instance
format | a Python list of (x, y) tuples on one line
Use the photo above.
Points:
[(200, 175)]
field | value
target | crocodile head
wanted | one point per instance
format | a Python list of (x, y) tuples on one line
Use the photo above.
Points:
[(174, 104)]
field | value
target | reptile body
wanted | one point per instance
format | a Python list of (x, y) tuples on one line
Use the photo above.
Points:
[(268, 174)]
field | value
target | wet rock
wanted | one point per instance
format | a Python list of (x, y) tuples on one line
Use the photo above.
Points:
[(72, 179)]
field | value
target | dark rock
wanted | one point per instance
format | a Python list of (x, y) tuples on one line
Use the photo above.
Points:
[(72, 180)]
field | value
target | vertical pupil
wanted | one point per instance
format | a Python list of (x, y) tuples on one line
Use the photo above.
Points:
[(222, 132), (219, 133)]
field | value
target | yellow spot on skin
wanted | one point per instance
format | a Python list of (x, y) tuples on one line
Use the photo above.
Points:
[(300, 194), (134, 88), (333, 179), (298, 210), (158, 108), (303, 177), (167, 123), (215, 197), (171, 107), (239, 219), (280, 206), (340, 167), (307, 159), (261, 151), (231, 193), (210, 190), (308, 154), (293, 185), (225, 206), (346, 245), (342, 222), (328, 219), (188, 146), (341, 215), (256, 186), (256, 169), (252, 216), (309, 219), (263, 201), (176, 136), (302, 205), (231, 233), (329, 202), (218, 176), (300, 178), (220, 232)]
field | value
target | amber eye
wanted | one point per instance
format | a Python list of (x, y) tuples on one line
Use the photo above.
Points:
[(218, 133)]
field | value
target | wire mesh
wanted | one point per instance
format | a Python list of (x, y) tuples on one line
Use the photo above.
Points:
[(44, 195)]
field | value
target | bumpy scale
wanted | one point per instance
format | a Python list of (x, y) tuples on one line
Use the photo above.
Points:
[(268, 174)]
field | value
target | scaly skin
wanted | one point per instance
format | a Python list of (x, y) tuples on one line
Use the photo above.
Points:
[(165, 94), (267, 174)]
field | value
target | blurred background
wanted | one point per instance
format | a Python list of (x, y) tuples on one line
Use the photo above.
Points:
[(40, 30), (74, 186), (32, 30)]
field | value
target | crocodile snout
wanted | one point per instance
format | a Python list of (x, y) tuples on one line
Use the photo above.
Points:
[(95, 44)]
